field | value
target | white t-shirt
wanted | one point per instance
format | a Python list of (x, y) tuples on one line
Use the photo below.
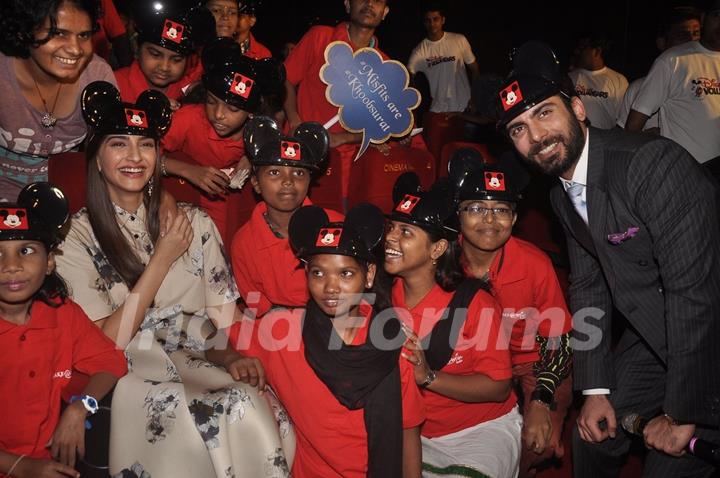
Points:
[(630, 95), (601, 91), (684, 85), (443, 63)]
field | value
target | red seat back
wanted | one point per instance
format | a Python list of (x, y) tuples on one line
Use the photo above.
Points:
[(68, 171)]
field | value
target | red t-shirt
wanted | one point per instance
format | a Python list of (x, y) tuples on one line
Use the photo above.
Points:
[(265, 265), (257, 50), (331, 440), (110, 27), (39, 359), (303, 70), (525, 284), (131, 81), (478, 350)]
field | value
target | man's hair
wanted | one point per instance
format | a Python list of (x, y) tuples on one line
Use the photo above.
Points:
[(434, 6), (593, 40), (675, 15)]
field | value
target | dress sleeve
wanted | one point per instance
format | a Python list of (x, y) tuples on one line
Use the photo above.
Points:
[(220, 285), (75, 265), (93, 351)]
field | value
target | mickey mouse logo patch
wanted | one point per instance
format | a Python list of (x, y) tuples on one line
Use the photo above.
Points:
[(329, 237), (494, 181), (13, 220), (173, 31), (136, 118), (241, 86), (290, 150), (407, 204), (511, 95)]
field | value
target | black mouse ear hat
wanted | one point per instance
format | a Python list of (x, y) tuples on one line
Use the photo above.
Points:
[(535, 77), (174, 26), (40, 212), (473, 177), (106, 114), (311, 233), (306, 148), (431, 210)]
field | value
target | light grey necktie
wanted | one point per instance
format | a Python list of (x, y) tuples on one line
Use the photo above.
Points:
[(575, 191)]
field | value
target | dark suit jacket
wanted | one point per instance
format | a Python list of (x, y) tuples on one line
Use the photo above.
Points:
[(665, 280)]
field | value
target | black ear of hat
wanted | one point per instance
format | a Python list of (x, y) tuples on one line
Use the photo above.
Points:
[(462, 164), (105, 113), (538, 59), (220, 51), (473, 177), (315, 138), (406, 183), (304, 226), (369, 222), (40, 212), (258, 131)]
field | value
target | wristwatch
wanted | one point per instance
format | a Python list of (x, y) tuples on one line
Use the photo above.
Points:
[(90, 404), (544, 396), (431, 376)]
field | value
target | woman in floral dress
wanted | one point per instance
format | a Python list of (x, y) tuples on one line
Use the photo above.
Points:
[(160, 296)]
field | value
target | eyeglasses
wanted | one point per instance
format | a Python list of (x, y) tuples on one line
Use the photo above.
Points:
[(224, 11), (502, 213)]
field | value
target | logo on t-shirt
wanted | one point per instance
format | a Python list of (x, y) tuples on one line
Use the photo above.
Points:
[(436, 60), (705, 86), (63, 374), (583, 90)]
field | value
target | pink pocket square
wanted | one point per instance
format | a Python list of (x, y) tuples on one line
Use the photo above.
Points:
[(620, 237)]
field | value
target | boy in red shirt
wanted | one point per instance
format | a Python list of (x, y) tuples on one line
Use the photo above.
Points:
[(266, 270), (167, 40), (211, 133), (352, 398), (44, 338), (525, 284)]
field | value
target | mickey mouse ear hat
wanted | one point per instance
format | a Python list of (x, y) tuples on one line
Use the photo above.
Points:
[(536, 76), (237, 79), (39, 214), (311, 233), (472, 177), (106, 114), (305, 148), (167, 24), (430, 210)]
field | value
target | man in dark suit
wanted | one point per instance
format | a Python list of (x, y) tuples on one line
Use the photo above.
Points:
[(641, 221)]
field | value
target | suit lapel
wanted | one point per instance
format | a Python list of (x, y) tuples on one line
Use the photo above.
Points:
[(597, 201), (574, 222)]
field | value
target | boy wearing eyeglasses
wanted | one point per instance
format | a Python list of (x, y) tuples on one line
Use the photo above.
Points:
[(524, 282)]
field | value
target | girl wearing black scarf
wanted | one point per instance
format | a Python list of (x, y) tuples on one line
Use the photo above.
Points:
[(461, 358), (353, 399)]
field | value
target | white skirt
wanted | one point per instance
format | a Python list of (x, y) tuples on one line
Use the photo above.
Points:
[(489, 449)]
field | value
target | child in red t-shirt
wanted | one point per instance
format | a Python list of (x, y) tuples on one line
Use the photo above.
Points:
[(336, 364), (266, 270), (211, 134), (44, 338), (168, 40), (462, 363)]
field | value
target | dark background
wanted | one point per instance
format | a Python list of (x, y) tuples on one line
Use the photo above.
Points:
[(492, 28)]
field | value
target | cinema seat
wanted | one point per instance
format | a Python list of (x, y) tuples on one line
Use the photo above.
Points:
[(440, 129), (374, 174), (68, 172)]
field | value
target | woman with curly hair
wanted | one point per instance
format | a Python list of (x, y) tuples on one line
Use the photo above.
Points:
[(46, 59)]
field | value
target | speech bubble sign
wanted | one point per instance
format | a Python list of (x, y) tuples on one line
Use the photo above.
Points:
[(372, 94)]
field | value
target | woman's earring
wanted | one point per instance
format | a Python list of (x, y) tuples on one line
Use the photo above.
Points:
[(434, 262), (151, 185)]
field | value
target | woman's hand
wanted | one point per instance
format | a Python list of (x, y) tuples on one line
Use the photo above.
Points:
[(247, 370), (37, 468), (209, 179), (175, 241), (69, 437), (416, 355)]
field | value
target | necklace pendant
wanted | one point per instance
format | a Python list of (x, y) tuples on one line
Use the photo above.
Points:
[(48, 120)]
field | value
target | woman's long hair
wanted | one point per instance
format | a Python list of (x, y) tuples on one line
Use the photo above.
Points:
[(104, 222), (448, 273)]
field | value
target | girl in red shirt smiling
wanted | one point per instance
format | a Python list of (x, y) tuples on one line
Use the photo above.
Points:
[(462, 363)]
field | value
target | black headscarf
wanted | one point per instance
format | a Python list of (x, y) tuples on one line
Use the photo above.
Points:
[(362, 376)]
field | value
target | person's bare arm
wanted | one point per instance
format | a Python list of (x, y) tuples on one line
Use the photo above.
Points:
[(635, 121)]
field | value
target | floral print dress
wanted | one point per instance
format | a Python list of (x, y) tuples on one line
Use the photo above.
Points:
[(175, 414)]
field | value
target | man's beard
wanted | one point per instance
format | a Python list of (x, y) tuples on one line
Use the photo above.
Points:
[(573, 146)]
